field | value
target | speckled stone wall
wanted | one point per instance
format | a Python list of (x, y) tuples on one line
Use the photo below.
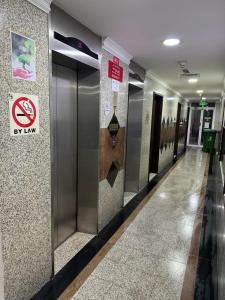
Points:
[(111, 198), (25, 203), (2, 297), (146, 133)]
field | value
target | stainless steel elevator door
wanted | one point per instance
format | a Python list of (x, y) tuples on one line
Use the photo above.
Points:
[(133, 146), (65, 152)]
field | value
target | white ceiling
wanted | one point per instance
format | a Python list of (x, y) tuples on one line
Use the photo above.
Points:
[(141, 26)]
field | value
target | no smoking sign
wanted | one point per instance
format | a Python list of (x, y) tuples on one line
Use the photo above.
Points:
[(24, 114)]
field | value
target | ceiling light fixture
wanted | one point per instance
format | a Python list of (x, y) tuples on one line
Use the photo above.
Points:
[(199, 91), (192, 80), (171, 42)]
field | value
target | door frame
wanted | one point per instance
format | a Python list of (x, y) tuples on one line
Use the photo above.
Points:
[(201, 124), (177, 130)]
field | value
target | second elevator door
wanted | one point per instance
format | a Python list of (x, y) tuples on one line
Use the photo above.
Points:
[(65, 152)]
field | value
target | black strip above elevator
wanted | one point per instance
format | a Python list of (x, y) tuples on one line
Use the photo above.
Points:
[(76, 44)]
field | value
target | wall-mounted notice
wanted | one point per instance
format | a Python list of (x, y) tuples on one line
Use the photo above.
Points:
[(206, 125), (23, 57), (115, 85), (107, 107), (115, 71), (23, 114)]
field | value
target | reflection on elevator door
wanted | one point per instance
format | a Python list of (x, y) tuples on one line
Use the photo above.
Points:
[(65, 152)]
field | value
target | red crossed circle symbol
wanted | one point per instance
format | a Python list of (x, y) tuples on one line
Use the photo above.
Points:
[(17, 105)]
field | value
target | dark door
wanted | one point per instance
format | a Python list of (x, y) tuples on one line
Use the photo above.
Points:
[(207, 121), (177, 130), (155, 133)]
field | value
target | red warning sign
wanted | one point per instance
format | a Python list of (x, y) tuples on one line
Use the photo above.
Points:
[(115, 71), (24, 112)]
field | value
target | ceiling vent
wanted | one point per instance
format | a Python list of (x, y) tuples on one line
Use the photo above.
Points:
[(190, 75), (185, 72)]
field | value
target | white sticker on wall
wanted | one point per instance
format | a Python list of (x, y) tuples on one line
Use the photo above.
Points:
[(206, 126), (23, 114), (107, 107), (115, 85)]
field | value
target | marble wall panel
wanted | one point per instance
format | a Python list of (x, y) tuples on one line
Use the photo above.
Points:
[(25, 201), (146, 133), (2, 296), (111, 195)]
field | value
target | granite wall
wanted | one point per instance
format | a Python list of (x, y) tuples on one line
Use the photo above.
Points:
[(1, 270), (113, 110), (25, 202), (146, 132)]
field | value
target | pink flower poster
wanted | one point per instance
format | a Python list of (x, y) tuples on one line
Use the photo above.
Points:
[(23, 57)]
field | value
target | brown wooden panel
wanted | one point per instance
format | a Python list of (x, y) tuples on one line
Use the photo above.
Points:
[(108, 154)]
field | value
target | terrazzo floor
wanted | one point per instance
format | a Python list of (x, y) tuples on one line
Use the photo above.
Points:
[(149, 260), (67, 250)]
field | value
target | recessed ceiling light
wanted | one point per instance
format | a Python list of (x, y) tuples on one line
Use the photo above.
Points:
[(192, 80), (171, 42), (199, 91)]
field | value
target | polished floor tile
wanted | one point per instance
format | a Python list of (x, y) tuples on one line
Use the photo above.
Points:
[(149, 260)]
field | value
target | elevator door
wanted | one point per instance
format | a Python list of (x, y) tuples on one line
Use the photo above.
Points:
[(133, 147), (65, 152)]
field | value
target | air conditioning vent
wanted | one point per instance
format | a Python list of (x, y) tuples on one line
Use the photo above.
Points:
[(185, 71), (190, 75)]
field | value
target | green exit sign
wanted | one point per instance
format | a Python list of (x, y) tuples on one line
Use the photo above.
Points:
[(202, 103)]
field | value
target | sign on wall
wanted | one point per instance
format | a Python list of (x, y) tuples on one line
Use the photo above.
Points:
[(23, 57), (115, 71), (23, 114), (115, 85)]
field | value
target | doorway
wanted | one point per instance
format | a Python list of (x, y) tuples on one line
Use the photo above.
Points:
[(199, 119), (155, 133), (74, 140)]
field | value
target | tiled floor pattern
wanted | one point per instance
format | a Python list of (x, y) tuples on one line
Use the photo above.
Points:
[(149, 260), (69, 248)]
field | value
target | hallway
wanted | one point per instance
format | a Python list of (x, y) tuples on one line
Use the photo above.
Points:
[(150, 258), (112, 182)]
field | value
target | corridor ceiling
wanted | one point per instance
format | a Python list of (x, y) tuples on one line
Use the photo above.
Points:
[(141, 26)]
